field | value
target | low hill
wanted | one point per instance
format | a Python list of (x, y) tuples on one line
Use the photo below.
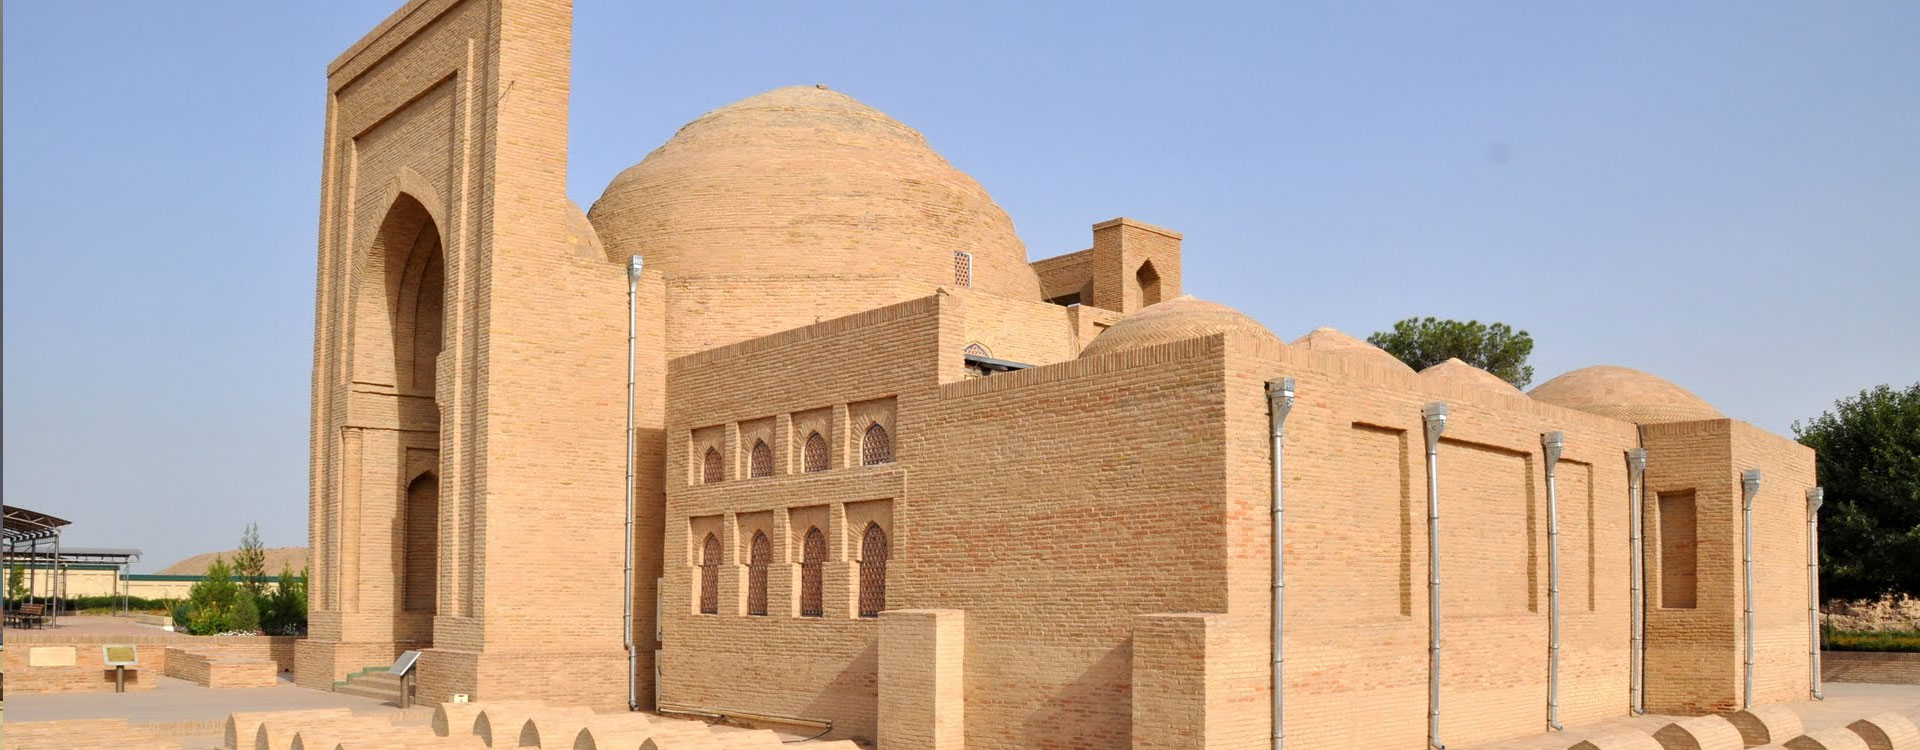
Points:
[(277, 557)]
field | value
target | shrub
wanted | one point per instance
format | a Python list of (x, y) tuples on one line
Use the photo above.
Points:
[(283, 611), (182, 616), (212, 601), (1886, 640), (246, 614), (112, 603)]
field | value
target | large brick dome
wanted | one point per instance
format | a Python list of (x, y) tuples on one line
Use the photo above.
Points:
[(1625, 394), (1177, 319), (803, 181)]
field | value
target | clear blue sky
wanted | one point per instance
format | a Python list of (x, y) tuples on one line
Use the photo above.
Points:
[(1726, 194)]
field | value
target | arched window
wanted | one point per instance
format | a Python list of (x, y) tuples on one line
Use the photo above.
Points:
[(813, 563), (714, 468), (760, 462), (873, 571), (1149, 280), (876, 447), (814, 456), (710, 576), (758, 559)]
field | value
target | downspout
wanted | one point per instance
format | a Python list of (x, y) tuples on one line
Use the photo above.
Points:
[(634, 264), (1815, 497), (1551, 444), (1750, 486), (1636, 664), (1435, 417), (1279, 404)]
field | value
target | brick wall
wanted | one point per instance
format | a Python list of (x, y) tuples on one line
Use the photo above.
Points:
[(1357, 555), (1856, 666), (88, 672), (217, 669)]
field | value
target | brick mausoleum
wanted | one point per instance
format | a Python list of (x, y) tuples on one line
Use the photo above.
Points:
[(893, 476)]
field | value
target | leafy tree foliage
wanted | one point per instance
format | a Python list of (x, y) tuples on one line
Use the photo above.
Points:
[(17, 583), (250, 562), (1868, 451), (1425, 342), (284, 610), (211, 603)]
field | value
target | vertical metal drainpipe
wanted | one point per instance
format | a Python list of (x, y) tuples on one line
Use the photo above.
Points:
[(634, 265), (1279, 404), (1551, 444), (1815, 497), (1750, 486), (1636, 664), (1435, 417)]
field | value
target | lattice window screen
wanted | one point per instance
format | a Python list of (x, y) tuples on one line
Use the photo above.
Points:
[(814, 456), (757, 561), (873, 571), (710, 576), (812, 565), (876, 447)]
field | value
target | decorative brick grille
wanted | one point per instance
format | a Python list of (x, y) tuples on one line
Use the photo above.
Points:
[(962, 268), (757, 561), (761, 461), (814, 457), (873, 571), (813, 558), (715, 468), (710, 576), (876, 447), (976, 350)]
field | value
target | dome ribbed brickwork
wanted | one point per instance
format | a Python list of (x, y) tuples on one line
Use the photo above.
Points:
[(1177, 319), (1457, 373), (803, 181), (1330, 341), (1625, 394)]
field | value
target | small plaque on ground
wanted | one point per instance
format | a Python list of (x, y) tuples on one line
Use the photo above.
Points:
[(404, 664)]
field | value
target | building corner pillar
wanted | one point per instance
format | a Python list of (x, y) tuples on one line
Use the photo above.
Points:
[(922, 679)]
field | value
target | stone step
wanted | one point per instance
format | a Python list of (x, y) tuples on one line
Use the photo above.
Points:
[(376, 685), (368, 691)]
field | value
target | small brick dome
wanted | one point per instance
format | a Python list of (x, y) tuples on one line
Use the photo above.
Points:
[(581, 239), (803, 181), (1329, 341), (1177, 319), (1625, 394), (1457, 373)]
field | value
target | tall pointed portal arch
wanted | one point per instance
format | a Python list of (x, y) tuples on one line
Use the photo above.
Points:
[(466, 356)]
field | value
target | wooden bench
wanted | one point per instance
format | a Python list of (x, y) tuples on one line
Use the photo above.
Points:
[(28, 616)]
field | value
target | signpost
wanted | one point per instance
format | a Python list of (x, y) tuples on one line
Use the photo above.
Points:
[(403, 667), (120, 657)]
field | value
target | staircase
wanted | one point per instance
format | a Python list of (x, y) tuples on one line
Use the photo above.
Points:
[(372, 682)]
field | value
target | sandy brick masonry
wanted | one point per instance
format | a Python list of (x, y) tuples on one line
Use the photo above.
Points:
[(1064, 539), (1854, 666)]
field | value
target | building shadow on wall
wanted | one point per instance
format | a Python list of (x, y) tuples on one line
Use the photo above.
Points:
[(1095, 707), (855, 685)]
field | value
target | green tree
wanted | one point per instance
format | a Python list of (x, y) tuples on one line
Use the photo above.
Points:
[(17, 583), (246, 614), (1868, 459), (250, 562), (285, 612), (211, 602), (1425, 342)]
